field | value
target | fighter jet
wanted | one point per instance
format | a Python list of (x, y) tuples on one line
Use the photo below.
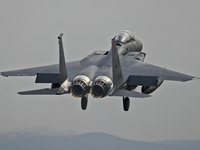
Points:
[(116, 72)]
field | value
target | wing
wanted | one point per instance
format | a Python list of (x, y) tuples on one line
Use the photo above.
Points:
[(32, 71), (143, 69), (72, 68)]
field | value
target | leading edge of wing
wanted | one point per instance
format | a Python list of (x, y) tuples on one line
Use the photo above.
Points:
[(31, 71), (124, 93), (71, 66)]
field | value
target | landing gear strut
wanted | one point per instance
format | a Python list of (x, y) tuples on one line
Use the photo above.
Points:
[(126, 103), (84, 101)]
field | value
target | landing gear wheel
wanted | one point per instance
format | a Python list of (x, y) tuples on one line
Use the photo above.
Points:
[(126, 103), (84, 101)]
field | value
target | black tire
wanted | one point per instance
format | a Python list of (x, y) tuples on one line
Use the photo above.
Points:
[(84, 101), (126, 103)]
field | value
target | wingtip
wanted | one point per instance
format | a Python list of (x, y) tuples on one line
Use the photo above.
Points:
[(20, 93), (1, 73), (195, 78)]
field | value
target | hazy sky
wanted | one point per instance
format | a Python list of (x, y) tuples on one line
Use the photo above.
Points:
[(169, 31)]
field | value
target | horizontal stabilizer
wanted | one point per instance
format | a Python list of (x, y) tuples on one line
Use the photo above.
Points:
[(124, 93), (46, 91)]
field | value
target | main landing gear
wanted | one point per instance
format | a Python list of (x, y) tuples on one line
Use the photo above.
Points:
[(84, 101), (126, 103)]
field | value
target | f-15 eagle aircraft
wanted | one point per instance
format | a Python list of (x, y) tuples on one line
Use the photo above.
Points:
[(116, 72)]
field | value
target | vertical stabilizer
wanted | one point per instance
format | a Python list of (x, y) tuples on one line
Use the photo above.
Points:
[(62, 65), (62, 68), (116, 67)]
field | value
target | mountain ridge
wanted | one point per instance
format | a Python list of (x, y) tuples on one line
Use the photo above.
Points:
[(87, 141)]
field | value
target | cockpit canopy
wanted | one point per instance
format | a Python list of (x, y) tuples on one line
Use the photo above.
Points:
[(124, 37)]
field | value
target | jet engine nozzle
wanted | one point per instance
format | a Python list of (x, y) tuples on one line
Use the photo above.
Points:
[(101, 86), (80, 86)]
